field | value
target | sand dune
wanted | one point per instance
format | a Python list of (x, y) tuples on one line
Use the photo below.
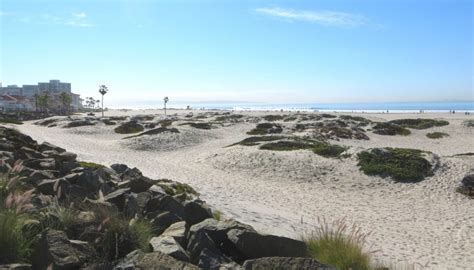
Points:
[(426, 223)]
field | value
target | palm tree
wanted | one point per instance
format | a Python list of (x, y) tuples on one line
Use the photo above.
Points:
[(43, 101), (65, 100), (166, 99), (103, 90)]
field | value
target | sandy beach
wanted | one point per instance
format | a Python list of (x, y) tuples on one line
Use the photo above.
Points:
[(426, 224)]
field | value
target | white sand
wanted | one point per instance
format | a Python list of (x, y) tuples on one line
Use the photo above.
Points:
[(423, 224)]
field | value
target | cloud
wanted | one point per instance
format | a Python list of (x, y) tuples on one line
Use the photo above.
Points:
[(328, 18), (74, 20)]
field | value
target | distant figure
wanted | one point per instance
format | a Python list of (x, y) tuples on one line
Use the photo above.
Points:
[(387, 111), (188, 107)]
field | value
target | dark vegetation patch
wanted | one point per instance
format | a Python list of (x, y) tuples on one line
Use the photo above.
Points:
[(387, 128), (321, 148), (174, 188), (255, 140), (272, 117), (198, 125), (118, 118), (265, 128), (79, 123), (155, 131), (8, 120), (469, 123), (330, 132), (229, 118), (129, 127), (109, 122), (361, 120), (419, 123), (165, 123), (290, 119), (143, 117), (45, 122), (437, 135), (326, 115), (403, 165)]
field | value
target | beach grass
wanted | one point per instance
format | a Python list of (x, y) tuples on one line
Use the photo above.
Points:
[(437, 135), (339, 244)]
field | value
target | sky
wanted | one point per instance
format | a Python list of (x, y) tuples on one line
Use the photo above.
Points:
[(243, 51)]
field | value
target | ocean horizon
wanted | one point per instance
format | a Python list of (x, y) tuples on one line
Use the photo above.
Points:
[(393, 107)]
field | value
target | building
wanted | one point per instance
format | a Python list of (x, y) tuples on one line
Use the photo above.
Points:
[(12, 90), (28, 93), (15, 103), (30, 90)]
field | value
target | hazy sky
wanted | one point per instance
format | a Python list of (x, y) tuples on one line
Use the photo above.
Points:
[(273, 51)]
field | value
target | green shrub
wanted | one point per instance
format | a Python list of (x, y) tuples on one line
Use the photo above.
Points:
[(165, 123), (403, 165), (326, 115), (6, 120), (217, 215), (15, 241), (231, 118), (328, 150), (256, 139), (286, 146), (390, 129), (272, 118), (258, 131), (340, 245), (419, 123), (129, 127), (90, 165), (436, 135), (198, 125)]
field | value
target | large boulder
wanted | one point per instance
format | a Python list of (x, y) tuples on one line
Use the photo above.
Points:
[(196, 211), (177, 231), (163, 220), (58, 187), (169, 246), (255, 245), (285, 263), (50, 147), (155, 260), (216, 261), (55, 250), (164, 202), (118, 197)]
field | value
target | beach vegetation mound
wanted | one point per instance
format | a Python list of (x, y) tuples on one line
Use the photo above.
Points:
[(118, 118), (320, 148), (339, 244), (79, 123), (265, 128), (9, 120), (255, 140), (229, 118), (108, 122), (401, 164), (129, 127), (327, 115), (46, 122), (273, 117), (360, 120), (155, 131), (387, 128), (198, 125), (419, 123), (467, 185), (437, 135), (165, 123), (469, 123)]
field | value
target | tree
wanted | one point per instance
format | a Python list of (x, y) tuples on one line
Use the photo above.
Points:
[(103, 90), (90, 103), (166, 99), (43, 101), (65, 101)]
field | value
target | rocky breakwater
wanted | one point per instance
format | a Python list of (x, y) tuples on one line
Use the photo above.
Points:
[(79, 215)]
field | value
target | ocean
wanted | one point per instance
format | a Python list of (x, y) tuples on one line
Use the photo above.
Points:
[(392, 107)]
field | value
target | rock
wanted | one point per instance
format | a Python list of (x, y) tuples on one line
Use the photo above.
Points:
[(50, 147), (255, 245), (285, 263), (119, 168), (169, 246), (158, 260), (53, 186), (196, 211), (36, 176), (198, 243), (213, 261), (163, 220), (131, 207), (40, 164), (140, 184), (178, 232), (28, 153), (56, 250), (15, 266), (118, 197), (65, 156), (89, 180), (165, 203)]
